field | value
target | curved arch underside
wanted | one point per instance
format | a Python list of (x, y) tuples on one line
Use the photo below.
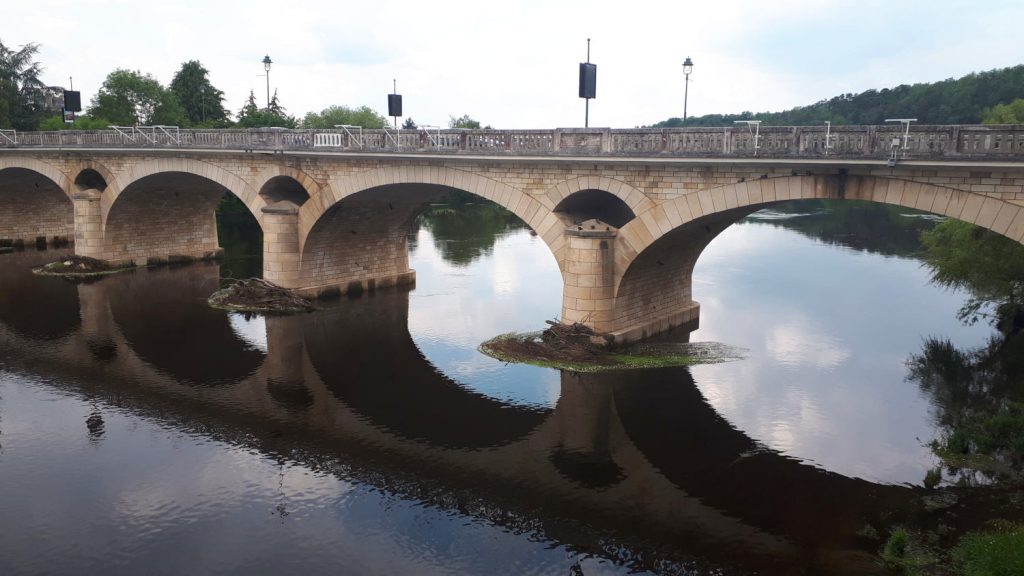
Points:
[(361, 242), (33, 206), (165, 216), (656, 252)]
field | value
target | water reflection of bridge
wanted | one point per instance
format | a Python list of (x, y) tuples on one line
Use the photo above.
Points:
[(640, 455)]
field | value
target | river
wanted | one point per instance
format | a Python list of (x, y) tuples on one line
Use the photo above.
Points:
[(144, 432)]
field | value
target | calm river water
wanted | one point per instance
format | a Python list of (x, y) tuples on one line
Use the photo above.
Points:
[(142, 432)]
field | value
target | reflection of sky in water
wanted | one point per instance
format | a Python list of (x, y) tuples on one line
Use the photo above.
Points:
[(513, 288), (133, 501), (252, 330), (828, 330)]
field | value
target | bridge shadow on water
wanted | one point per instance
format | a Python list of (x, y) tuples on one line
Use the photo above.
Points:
[(635, 467)]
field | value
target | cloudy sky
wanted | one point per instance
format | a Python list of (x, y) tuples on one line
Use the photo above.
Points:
[(514, 64)]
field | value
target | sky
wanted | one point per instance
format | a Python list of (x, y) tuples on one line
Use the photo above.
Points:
[(514, 64)]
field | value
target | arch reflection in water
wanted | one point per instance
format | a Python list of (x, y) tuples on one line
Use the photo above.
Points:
[(162, 313), (637, 463), (41, 310)]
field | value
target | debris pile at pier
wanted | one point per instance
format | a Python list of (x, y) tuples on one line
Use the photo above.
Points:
[(256, 295), (73, 266)]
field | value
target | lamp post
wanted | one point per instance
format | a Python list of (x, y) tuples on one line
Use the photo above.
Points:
[(687, 68), (266, 66)]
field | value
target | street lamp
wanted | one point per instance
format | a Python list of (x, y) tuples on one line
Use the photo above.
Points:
[(266, 66), (687, 68)]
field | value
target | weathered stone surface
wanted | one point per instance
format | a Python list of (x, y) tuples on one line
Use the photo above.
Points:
[(338, 223)]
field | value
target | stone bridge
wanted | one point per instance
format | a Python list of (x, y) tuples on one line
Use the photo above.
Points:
[(625, 213)]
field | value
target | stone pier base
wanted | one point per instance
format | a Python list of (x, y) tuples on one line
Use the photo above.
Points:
[(687, 316), (355, 287)]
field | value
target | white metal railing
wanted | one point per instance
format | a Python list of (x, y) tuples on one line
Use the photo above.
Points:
[(887, 142), (435, 139)]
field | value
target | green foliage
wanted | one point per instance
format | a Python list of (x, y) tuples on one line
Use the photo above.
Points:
[(274, 116), (202, 103), (81, 123), (858, 224), (337, 115), (990, 266), (21, 90), (904, 552), (466, 227), (952, 101), (130, 98), (1012, 113), (978, 394), (465, 122), (995, 553)]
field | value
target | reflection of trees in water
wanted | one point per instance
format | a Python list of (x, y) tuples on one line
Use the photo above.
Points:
[(861, 225), (241, 238), (978, 393), (466, 227)]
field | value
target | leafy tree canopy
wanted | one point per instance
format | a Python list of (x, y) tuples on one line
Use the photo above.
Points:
[(203, 104), (81, 123), (273, 116), (132, 98), (21, 90), (989, 266), (337, 115), (465, 122), (1012, 113)]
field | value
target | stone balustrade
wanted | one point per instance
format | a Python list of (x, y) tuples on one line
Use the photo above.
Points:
[(797, 142)]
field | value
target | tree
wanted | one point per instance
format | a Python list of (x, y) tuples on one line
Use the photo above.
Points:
[(21, 90), (131, 98), (336, 115), (989, 266), (203, 104), (81, 123), (1012, 113), (465, 122), (952, 101), (252, 116)]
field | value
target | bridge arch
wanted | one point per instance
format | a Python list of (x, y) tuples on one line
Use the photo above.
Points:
[(35, 201), (356, 228), (655, 253), (205, 170), (633, 198), (92, 175), (167, 214), (54, 174)]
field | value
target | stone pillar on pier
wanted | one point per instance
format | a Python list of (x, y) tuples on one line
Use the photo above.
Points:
[(589, 292), (281, 244), (88, 223)]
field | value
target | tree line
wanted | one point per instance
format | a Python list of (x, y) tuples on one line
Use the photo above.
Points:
[(992, 97), (133, 98)]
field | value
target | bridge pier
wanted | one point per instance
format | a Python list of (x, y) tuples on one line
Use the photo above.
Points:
[(88, 223), (281, 253), (588, 294)]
